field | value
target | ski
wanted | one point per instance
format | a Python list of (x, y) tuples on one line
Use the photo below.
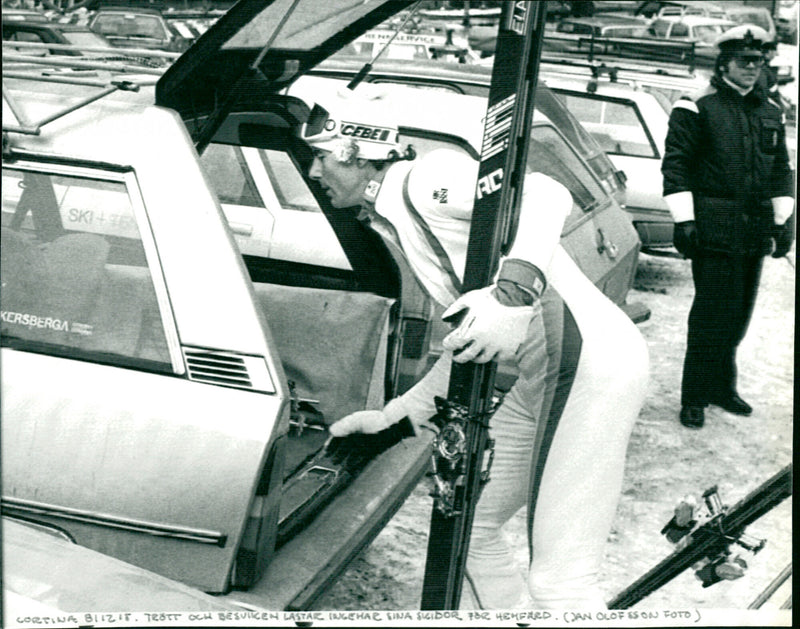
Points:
[(462, 419), (708, 544)]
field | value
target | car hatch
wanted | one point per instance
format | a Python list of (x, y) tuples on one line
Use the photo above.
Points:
[(264, 46)]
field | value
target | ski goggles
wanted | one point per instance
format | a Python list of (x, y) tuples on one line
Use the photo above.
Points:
[(316, 123), (375, 140)]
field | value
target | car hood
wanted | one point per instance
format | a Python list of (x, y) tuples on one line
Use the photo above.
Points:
[(260, 47)]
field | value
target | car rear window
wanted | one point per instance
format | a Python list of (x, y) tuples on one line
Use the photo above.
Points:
[(75, 276), (130, 25), (549, 153), (759, 18), (616, 125)]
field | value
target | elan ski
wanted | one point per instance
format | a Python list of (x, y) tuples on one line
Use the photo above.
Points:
[(706, 546), (463, 419)]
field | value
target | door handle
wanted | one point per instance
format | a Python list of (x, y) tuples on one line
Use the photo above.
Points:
[(243, 229), (606, 246)]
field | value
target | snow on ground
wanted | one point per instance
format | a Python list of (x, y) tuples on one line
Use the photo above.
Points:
[(665, 461)]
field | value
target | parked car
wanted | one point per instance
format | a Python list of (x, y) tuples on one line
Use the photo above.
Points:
[(46, 574), (646, 98), (173, 352), (744, 14), (474, 80), (579, 33), (47, 32), (630, 124), (129, 27), (786, 19), (602, 26), (653, 9), (701, 30)]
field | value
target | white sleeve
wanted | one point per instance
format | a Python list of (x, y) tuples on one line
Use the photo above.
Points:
[(681, 206), (417, 403), (544, 209)]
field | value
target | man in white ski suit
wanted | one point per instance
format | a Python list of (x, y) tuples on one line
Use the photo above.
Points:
[(562, 430)]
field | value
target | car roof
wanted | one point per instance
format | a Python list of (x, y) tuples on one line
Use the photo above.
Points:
[(616, 90), (125, 9), (605, 20), (694, 20), (53, 26), (76, 134), (15, 15)]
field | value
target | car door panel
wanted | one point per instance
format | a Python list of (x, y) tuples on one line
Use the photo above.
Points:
[(189, 464)]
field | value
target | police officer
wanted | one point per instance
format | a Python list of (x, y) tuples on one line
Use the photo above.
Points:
[(562, 430), (729, 187)]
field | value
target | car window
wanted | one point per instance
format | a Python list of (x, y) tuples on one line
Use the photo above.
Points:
[(230, 177), (550, 154), (85, 38), (625, 31), (27, 36), (130, 25), (679, 30), (289, 185), (707, 33), (758, 18), (268, 204), (75, 277), (617, 126), (578, 29), (660, 28)]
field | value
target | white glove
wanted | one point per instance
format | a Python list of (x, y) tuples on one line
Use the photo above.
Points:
[(360, 421), (489, 330), (782, 208)]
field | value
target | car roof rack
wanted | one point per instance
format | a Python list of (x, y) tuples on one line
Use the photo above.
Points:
[(122, 69), (672, 56)]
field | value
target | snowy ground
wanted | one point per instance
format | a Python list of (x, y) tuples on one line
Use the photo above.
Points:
[(665, 462)]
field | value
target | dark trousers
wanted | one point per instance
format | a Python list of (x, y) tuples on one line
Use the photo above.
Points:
[(725, 294)]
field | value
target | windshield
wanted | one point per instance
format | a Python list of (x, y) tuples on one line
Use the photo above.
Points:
[(130, 25), (85, 38), (707, 33), (753, 17)]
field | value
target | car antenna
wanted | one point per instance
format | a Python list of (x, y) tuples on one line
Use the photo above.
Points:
[(368, 66)]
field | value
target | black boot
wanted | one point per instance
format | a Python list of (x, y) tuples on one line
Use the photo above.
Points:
[(693, 416), (734, 404)]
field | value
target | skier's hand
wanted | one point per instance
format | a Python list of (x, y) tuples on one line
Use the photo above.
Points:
[(487, 330), (360, 421)]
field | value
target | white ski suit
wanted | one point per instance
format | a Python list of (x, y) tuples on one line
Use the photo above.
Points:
[(562, 430)]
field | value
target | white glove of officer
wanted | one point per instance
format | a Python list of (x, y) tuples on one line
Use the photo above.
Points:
[(489, 330)]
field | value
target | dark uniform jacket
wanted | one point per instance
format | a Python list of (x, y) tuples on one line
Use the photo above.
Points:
[(730, 151)]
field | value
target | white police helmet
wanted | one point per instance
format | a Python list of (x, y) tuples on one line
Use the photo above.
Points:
[(353, 124), (742, 38)]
